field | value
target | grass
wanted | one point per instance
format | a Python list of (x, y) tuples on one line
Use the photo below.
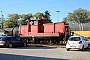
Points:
[(42, 45)]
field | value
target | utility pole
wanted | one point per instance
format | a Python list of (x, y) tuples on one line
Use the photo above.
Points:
[(1, 20), (57, 15)]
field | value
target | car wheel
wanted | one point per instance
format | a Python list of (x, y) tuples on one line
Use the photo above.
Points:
[(68, 49), (24, 44), (83, 48), (10, 45)]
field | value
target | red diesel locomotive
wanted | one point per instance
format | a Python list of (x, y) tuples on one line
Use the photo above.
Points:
[(39, 31)]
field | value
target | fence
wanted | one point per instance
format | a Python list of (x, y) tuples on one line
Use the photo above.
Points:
[(80, 27)]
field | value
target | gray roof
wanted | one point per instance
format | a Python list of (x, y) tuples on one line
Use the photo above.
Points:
[(9, 29), (1, 30)]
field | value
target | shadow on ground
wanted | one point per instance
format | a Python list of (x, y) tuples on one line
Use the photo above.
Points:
[(21, 57)]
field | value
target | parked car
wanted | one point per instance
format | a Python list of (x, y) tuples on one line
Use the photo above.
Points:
[(11, 41), (77, 42)]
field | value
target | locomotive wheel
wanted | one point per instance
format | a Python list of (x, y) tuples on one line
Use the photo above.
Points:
[(41, 41), (24, 44)]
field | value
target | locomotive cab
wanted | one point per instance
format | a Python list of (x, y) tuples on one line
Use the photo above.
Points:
[(37, 25)]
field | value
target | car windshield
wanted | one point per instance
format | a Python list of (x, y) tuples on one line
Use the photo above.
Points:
[(74, 39)]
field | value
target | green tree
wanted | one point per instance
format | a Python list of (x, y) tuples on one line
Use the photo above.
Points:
[(38, 15), (47, 15), (78, 16), (12, 21), (24, 18)]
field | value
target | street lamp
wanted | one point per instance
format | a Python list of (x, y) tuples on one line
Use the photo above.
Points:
[(57, 15)]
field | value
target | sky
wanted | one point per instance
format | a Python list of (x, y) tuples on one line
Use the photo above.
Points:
[(34, 6)]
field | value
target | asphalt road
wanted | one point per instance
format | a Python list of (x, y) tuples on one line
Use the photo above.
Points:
[(42, 53)]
